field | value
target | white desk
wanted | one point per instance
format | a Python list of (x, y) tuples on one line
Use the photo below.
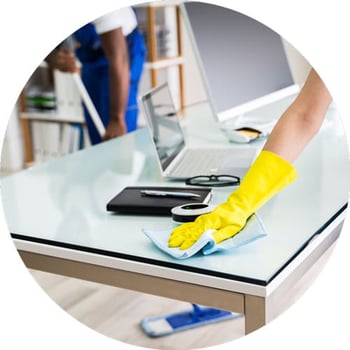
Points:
[(56, 215)]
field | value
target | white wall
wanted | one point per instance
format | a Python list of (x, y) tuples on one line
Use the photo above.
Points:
[(299, 65), (194, 88)]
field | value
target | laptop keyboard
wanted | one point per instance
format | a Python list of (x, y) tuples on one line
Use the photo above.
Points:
[(207, 162)]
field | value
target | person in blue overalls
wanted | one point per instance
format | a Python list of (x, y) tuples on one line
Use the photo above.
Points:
[(112, 53)]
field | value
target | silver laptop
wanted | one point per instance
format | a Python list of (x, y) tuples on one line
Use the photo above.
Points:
[(176, 160)]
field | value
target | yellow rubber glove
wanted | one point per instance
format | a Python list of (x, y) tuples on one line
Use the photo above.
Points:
[(268, 175)]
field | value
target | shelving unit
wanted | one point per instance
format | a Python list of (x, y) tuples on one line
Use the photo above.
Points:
[(160, 24), (53, 126), (26, 132)]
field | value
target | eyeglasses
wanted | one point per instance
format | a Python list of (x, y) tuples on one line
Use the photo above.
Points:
[(213, 180)]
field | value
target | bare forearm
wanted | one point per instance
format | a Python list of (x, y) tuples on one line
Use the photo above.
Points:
[(301, 121), (116, 51), (119, 88), (292, 133)]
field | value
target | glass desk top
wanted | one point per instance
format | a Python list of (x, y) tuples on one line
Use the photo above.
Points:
[(63, 202)]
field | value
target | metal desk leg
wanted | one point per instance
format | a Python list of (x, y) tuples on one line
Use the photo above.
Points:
[(255, 313)]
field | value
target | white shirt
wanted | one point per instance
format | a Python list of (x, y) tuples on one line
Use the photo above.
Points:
[(124, 18)]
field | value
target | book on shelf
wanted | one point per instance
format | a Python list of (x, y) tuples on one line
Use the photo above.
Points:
[(52, 140), (68, 99)]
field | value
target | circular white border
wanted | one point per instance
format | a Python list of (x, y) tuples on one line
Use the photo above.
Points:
[(30, 29)]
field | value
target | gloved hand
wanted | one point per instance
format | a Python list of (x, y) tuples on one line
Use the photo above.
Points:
[(268, 175)]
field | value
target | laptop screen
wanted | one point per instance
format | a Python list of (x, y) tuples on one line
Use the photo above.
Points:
[(163, 122)]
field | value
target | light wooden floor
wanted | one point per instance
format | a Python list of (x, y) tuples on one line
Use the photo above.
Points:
[(117, 313)]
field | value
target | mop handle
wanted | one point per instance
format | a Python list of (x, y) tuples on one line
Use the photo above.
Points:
[(69, 44), (89, 104)]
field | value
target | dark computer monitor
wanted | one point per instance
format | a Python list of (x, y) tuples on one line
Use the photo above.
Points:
[(243, 62)]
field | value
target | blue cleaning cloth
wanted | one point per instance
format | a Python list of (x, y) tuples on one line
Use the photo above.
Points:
[(253, 230)]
